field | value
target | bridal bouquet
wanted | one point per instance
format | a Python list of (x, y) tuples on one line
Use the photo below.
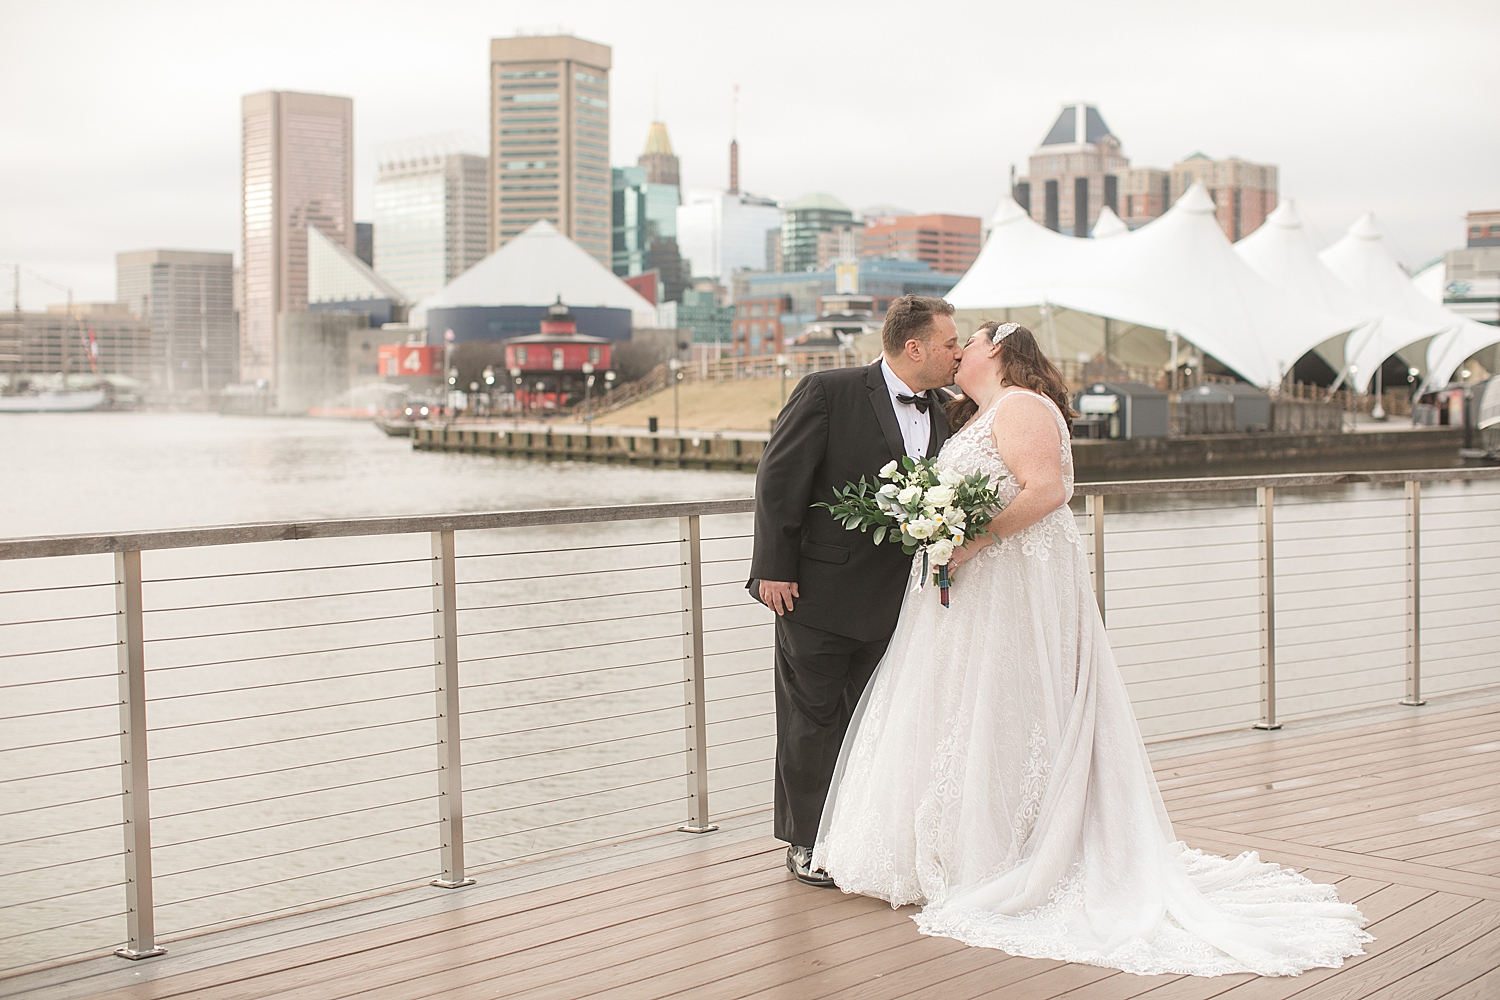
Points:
[(930, 509)]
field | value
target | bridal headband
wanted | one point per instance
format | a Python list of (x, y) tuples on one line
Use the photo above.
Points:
[(1002, 331)]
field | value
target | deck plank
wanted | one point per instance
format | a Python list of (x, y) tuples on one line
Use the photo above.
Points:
[(1395, 811)]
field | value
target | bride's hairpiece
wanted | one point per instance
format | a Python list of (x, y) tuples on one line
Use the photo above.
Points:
[(1002, 331)]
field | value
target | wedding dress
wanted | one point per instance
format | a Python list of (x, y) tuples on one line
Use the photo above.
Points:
[(994, 772)]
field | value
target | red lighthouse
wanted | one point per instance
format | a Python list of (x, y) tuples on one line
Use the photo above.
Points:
[(552, 367)]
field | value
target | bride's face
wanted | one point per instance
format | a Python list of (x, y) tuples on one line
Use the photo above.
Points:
[(979, 367)]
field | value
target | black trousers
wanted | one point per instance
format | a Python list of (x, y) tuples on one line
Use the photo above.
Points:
[(819, 678)]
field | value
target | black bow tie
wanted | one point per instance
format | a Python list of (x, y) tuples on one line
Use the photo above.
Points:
[(920, 402)]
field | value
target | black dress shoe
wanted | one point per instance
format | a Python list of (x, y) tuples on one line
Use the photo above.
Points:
[(799, 863)]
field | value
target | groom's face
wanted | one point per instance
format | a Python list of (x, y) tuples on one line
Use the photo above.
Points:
[(938, 355)]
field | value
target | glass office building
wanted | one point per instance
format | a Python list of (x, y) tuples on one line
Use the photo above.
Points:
[(431, 215)]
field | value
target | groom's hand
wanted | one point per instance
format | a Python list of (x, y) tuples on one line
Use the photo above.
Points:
[(777, 595)]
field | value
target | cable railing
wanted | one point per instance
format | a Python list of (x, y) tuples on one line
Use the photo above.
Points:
[(212, 726)]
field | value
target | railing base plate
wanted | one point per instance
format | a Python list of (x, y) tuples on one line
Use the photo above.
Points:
[(1262, 725), (443, 883), (710, 828), (136, 956), (1413, 703)]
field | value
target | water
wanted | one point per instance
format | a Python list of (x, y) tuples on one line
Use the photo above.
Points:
[(291, 706)]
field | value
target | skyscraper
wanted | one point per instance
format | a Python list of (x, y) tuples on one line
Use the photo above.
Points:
[(187, 296), (549, 139), (298, 169), (1074, 173), (431, 214), (801, 223)]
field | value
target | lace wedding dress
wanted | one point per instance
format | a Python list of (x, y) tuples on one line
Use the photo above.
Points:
[(994, 773)]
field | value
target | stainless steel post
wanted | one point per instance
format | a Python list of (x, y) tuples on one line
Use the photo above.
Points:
[(1095, 507), (691, 541), (135, 784), (1265, 510), (1413, 594), (450, 756)]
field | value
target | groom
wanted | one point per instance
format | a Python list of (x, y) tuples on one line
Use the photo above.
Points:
[(835, 593)]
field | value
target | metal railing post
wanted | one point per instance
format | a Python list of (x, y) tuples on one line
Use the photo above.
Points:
[(691, 542), (1265, 509), (1095, 506), (135, 784), (1413, 594), (450, 755)]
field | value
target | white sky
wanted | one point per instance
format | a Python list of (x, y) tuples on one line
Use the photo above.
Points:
[(119, 120)]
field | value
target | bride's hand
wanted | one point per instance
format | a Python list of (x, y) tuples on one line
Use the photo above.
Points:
[(967, 551)]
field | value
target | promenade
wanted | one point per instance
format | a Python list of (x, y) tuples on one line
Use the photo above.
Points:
[(1395, 806)]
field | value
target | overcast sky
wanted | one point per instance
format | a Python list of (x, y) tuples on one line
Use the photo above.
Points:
[(119, 123)]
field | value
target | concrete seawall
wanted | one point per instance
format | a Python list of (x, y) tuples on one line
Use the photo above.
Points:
[(1095, 461)]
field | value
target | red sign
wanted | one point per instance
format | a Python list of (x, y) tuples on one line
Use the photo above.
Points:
[(399, 359)]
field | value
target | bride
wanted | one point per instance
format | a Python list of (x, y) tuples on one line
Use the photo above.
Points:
[(993, 771)]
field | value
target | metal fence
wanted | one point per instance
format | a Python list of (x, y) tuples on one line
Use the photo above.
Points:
[(206, 727)]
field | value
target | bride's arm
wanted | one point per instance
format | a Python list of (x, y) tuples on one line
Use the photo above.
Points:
[(1031, 448)]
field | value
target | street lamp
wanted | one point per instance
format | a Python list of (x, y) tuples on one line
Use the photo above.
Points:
[(609, 382), (539, 387), (588, 384), (1378, 412), (781, 365), (515, 401), (676, 367)]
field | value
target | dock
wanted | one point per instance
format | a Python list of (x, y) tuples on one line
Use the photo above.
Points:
[(736, 450), (1396, 807)]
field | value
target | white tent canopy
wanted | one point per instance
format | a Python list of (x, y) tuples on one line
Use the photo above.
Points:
[(1282, 253), (1363, 260), (1178, 273), (537, 268)]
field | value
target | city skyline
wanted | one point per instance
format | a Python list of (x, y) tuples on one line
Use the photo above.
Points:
[(1359, 114)]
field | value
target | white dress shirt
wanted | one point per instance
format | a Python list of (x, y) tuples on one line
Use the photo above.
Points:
[(916, 426)]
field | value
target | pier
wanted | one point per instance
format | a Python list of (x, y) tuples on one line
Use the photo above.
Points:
[(527, 753), (1097, 460)]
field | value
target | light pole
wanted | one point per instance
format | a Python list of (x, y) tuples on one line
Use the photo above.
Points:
[(452, 386), (588, 384), (676, 367), (781, 366), (538, 403), (1378, 412), (515, 396), (489, 390)]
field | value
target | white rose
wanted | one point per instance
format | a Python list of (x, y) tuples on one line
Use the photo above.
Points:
[(921, 528), (940, 496), (954, 516), (906, 496), (941, 552), (888, 469), (950, 478), (888, 490)]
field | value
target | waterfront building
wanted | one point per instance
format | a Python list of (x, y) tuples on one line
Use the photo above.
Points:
[(712, 322), (556, 363), (298, 169), (1144, 194), (187, 297), (757, 325), (803, 221), (432, 213), (881, 279), (507, 294), (94, 338), (338, 281), (721, 232), (549, 139), (1074, 172), (1467, 280), (946, 243), (1243, 193)]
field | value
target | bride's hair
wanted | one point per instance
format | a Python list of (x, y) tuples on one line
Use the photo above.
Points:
[(1023, 364)]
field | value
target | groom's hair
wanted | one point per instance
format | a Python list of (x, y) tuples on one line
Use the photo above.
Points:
[(910, 318)]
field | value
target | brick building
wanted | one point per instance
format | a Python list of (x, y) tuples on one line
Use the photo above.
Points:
[(1244, 193), (946, 243), (757, 325)]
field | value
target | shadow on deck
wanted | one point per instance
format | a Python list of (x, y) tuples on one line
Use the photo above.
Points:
[(1399, 807)]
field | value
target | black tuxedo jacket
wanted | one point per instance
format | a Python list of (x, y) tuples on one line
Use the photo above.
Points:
[(837, 426)]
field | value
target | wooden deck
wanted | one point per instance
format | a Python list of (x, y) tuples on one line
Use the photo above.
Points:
[(1400, 808)]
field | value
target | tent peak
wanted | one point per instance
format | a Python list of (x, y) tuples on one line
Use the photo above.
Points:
[(1109, 224), (1285, 215), (1366, 228), (1196, 200), (1006, 212)]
